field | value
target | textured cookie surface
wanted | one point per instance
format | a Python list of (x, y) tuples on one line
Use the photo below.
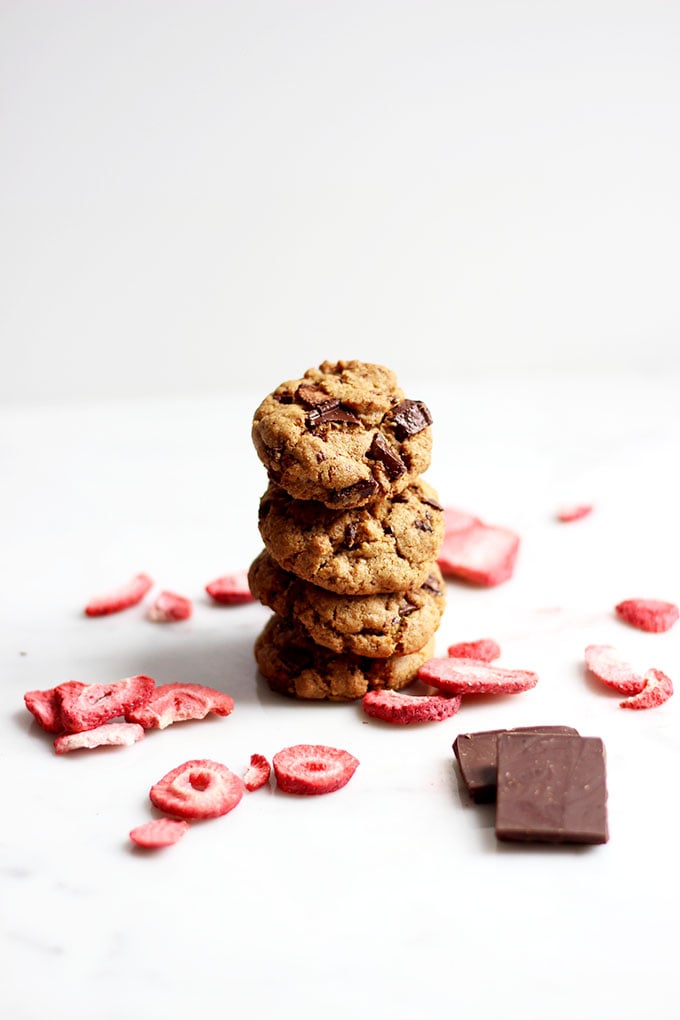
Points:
[(293, 665), (343, 434), (377, 626), (386, 547)]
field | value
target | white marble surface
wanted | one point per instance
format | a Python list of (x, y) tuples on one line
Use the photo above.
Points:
[(391, 897)]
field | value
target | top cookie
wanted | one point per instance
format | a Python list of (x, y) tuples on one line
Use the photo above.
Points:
[(344, 434)]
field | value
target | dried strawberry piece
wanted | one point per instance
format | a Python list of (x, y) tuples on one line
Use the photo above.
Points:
[(573, 511), (483, 650), (120, 598), (198, 789), (309, 769), (480, 553), (402, 709), (159, 833), (171, 703), (106, 735), (467, 676), (257, 774), (84, 706), (231, 589), (657, 689), (169, 607), (653, 615), (605, 662), (458, 520), (45, 707)]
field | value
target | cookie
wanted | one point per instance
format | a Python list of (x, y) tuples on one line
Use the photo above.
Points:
[(386, 547), (376, 626), (293, 665), (344, 434)]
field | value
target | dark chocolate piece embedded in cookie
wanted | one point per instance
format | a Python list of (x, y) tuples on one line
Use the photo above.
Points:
[(387, 547), (343, 434), (551, 788), (377, 626), (477, 756), (297, 667)]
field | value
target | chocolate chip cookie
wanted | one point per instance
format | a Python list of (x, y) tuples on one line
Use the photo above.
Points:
[(376, 626), (294, 665), (344, 434), (385, 547)]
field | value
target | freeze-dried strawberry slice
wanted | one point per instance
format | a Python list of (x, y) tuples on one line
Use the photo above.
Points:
[(573, 512), (45, 706), (120, 598), (458, 520), (169, 607), (84, 706), (484, 650), (402, 709), (653, 615), (230, 590), (257, 774), (481, 554), (657, 689), (158, 833), (467, 676), (171, 703), (198, 789), (310, 769), (605, 662), (107, 735)]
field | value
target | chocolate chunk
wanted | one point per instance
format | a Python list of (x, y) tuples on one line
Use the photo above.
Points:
[(477, 758), (433, 503), (422, 525), (350, 535), (381, 450), (362, 490), (330, 411), (551, 788), (311, 396), (408, 418), (431, 583), (406, 608)]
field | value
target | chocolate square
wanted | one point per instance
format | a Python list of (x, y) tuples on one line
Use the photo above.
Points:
[(477, 758), (551, 788)]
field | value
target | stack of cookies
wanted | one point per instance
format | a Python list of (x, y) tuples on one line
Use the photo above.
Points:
[(351, 534)]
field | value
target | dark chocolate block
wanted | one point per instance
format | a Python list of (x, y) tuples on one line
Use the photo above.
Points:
[(551, 788), (476, 754)]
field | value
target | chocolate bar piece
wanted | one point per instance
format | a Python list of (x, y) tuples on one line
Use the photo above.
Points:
[(551, 788), (476, 754)]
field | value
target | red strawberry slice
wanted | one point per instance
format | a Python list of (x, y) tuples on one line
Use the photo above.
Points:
[(309, 769), (171, 703), (483, 650), (114, 601), (605, 662), (107, 735), (657, 689), (231, 589), (257, 774), (573, 512), (45, 707), (481, 554), (159, 833), (169, 607), (458, 520), (653, 615), (467, 676), (402, 709), (198, 789), (84, 706)]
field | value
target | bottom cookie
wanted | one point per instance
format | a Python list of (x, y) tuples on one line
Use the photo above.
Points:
[(293, 665)]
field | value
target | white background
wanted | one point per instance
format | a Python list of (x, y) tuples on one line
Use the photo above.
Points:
[(196, 196), (197, 201)]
